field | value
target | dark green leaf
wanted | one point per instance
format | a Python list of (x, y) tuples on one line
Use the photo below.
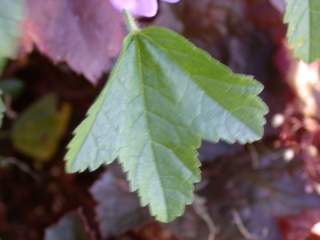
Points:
[(11, 87), (2, 109)]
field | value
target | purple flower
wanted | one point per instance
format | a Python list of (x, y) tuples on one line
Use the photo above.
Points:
[(143, 8)]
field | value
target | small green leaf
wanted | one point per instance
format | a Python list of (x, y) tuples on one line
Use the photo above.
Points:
[(163, 96), (11, 13), (303, 17), (39, 129), (12, 87), (2, 108)]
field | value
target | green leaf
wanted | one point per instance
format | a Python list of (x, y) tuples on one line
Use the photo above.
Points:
[(12, 87), (2, 108), (163, 96), (303, 17), (11, 13), (38, 130)]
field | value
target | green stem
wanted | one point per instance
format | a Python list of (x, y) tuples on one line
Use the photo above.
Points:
[(131, 22)]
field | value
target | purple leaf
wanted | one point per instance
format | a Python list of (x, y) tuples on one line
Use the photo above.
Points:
[(87, 35), (118, 210)]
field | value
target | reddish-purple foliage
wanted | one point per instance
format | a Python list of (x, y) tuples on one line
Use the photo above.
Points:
[(85, 34)]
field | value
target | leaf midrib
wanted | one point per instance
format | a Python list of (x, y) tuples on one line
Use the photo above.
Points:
[(145, 116)]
